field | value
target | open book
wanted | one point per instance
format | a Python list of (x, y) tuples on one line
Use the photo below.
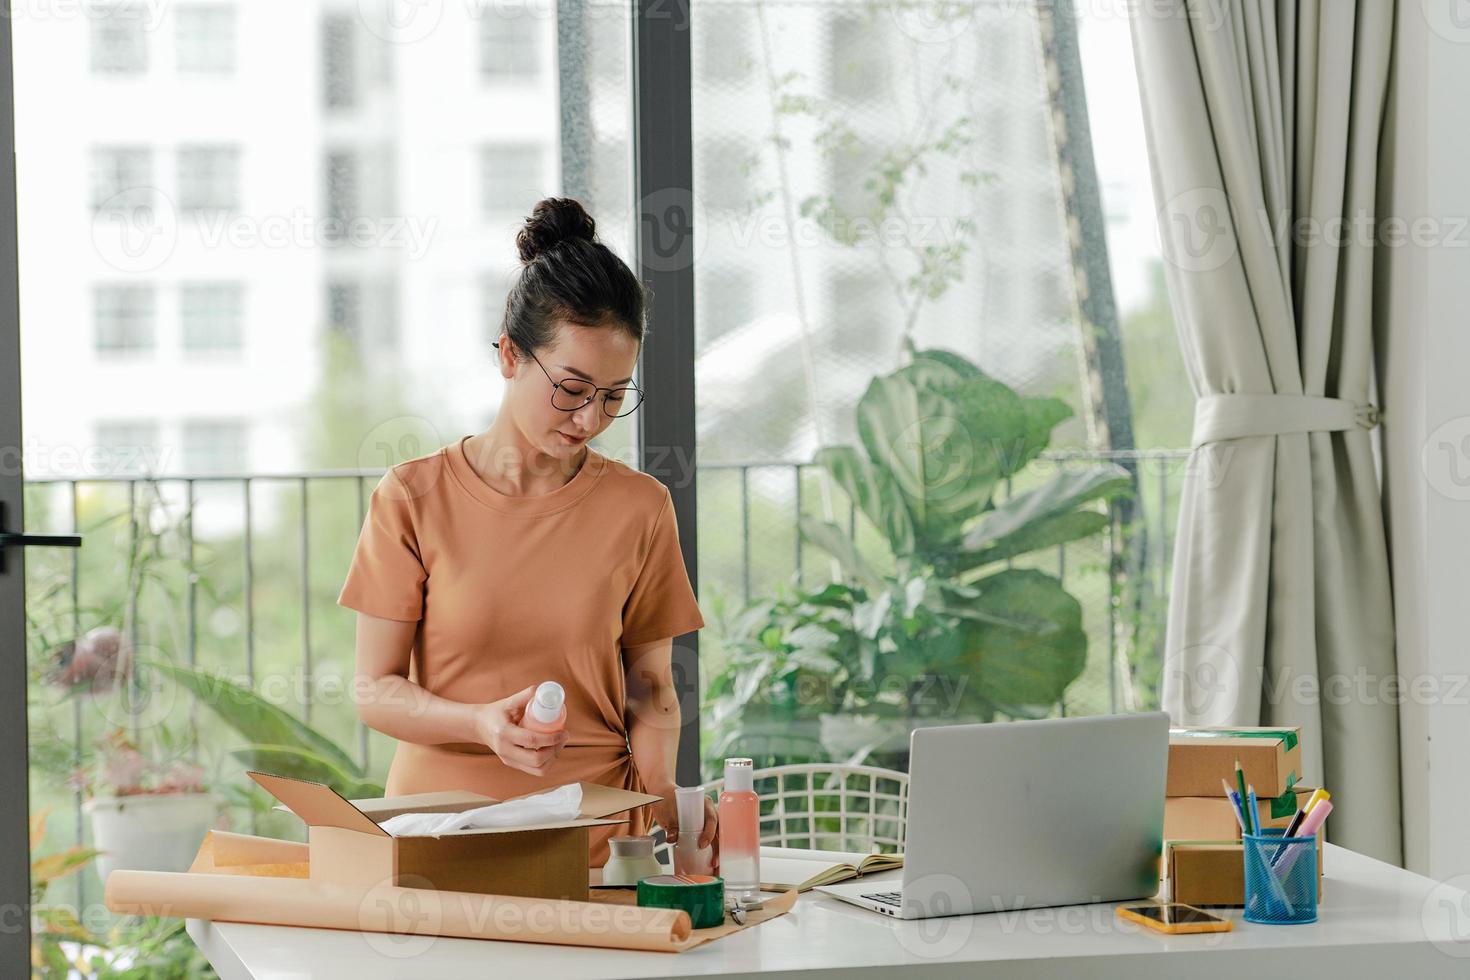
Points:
[(785, 868)]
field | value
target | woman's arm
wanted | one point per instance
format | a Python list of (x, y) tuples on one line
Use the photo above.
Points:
[(653, 720), (389, 702)]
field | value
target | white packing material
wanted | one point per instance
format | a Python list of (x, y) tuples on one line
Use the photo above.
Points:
[(562, 803)]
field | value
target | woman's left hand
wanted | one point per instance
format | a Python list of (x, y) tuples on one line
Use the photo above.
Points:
[(666, 812)]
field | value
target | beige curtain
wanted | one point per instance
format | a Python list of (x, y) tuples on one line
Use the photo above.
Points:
[(1263, 122)]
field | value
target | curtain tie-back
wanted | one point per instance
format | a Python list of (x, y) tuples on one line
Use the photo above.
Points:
[(1221, 417)]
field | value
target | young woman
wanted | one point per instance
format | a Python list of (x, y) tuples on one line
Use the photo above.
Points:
[(521, 555)]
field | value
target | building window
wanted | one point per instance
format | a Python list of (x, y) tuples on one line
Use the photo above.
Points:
[(510, 43), (216, 446), (725, 44), (365, 311), (724, 300), (511, 178), (210, 315), (129, 447), (205, 37), (209, 178), (119, 39), (122, 319), (359, 188), (859, 63), (122, 178)]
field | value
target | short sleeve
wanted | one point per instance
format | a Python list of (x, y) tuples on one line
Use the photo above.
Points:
[(387, 575), (662, 604)]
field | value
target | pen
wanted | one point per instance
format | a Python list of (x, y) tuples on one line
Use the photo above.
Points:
[(1251, 811), (1235, 805), (1313, 800), (1240, 787), (1309, 827)]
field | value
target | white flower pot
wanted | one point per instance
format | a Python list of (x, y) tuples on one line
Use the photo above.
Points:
[(150, 832)]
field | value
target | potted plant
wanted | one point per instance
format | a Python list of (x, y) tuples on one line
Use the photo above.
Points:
[(944, 628), (148, 810)]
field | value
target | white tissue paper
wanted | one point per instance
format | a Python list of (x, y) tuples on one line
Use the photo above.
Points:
[(562, 803)]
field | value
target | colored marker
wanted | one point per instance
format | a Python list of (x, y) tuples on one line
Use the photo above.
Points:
[(1313, 800), (1250, 794), (1235, 806), (1309, 826)]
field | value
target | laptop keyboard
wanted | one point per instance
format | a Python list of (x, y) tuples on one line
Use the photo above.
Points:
[(887, 898)]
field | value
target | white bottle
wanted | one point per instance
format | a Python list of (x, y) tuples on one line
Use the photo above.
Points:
[(547, 711), (689, 857)]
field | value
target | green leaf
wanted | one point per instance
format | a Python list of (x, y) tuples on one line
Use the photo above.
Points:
[(833, 540), (1043, 517), (1033, 665), (255, 718), (300, 763), (874, 492), (1042, 415)]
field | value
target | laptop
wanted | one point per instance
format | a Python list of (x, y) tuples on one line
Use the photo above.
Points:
[(1028, 814)]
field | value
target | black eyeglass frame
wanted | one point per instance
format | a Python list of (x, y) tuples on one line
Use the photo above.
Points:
[(557, 386)]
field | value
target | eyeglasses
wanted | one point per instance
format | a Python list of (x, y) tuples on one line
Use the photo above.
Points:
[(574, 394)]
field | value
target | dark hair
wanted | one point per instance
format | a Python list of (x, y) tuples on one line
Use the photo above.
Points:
[(567, 274)]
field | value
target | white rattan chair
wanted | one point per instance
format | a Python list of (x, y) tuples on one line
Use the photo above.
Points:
[(830, 807)]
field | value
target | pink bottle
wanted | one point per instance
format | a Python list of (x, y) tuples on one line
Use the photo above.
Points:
[(739, 830), (547, 711)]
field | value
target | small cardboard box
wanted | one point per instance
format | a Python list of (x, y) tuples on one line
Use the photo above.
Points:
[(1213, 817), (546, 860), (1212, 872), (1199, 758)]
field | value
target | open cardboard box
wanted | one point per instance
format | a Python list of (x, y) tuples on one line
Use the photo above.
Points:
[(545, 860)]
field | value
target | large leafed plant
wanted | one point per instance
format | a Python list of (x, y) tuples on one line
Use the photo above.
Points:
[(945, 626)]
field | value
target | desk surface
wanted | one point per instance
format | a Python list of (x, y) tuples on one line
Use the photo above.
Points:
[(1375, 920)]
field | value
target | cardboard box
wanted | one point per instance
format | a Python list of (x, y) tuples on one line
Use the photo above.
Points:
[(547, 860), (1200, 757), (1212, 872), (1213, 817)]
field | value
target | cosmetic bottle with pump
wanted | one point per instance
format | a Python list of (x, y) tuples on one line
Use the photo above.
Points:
[(689, 857), (547, 711), (739, 830)]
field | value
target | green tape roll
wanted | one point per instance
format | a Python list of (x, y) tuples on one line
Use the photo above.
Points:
[(702, 896)]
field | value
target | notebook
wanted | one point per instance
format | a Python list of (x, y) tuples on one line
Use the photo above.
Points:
[(785, 868)]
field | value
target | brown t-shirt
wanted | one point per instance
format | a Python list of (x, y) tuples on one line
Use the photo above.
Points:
[(511, 591)]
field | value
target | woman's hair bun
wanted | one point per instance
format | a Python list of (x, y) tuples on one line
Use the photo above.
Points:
[(552, 221)]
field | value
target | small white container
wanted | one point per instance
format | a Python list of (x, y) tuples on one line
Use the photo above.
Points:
[(631, 858)]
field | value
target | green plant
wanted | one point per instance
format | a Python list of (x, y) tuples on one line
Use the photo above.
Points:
[(946, 626), (279, 742)]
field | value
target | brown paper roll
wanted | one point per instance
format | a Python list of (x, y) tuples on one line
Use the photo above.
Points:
[(391, 909)]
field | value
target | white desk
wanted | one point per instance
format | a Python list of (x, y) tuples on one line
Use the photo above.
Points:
[(1375, 921)]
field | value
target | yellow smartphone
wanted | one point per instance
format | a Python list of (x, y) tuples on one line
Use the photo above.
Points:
[(1174, 918)]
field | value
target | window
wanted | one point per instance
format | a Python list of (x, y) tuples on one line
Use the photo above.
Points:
[(364, 311), (727, 181), (209, 178), (122, 178), (130, 447), (205, 37), (122, 319), (724, 45), (359, 191), (119, 38), (214, 446), (511, 39), (725, 300), (859, 62), (339, 61), (512, 178), (210, 317)]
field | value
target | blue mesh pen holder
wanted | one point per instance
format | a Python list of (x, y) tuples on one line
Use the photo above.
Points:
[(1280, 878)]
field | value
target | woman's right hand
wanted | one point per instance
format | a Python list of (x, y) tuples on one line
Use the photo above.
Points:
[(497, 725)]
